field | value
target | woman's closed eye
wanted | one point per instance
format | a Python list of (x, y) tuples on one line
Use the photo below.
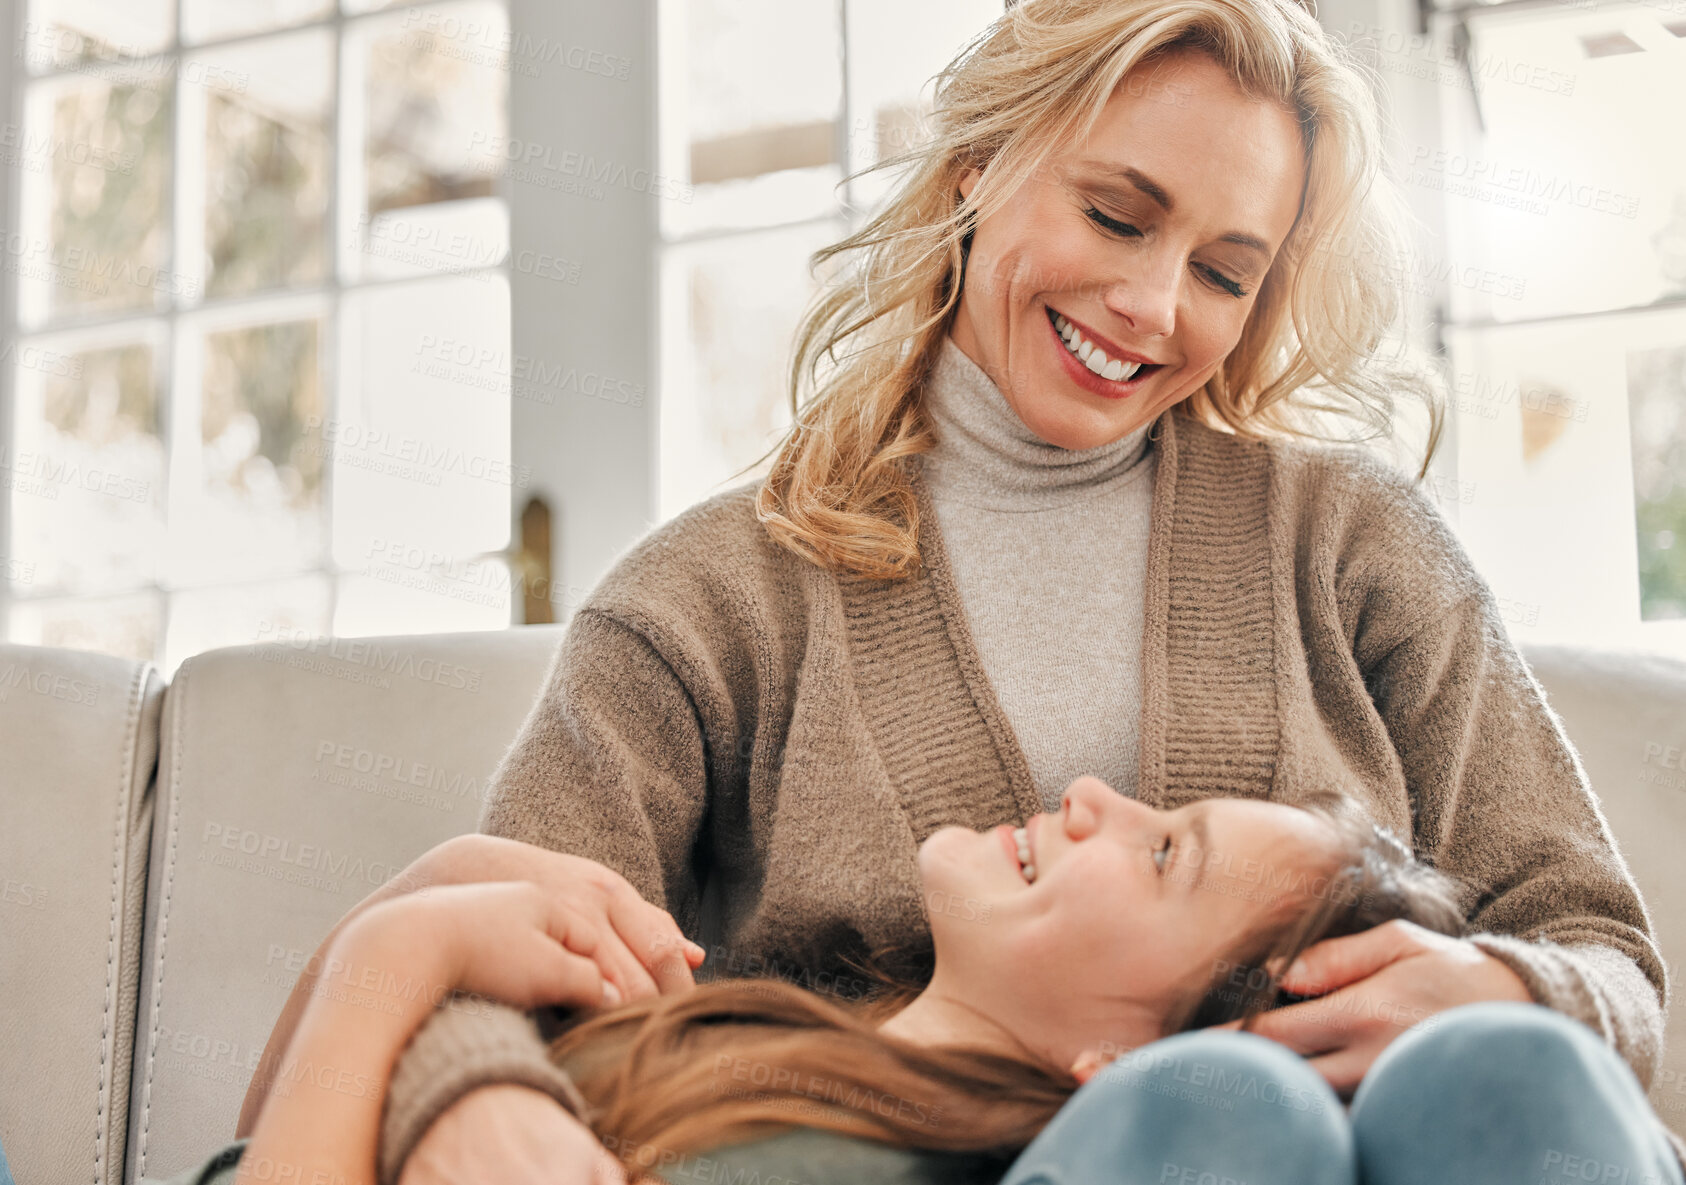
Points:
[(1112, 224), (1213, 276)]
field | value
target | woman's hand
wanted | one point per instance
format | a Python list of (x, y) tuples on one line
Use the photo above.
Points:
[(509, 1135), (509, 941), (1379, 982), (638, 946)]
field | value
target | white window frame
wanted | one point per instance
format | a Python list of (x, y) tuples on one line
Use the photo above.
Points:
[(184, 322)]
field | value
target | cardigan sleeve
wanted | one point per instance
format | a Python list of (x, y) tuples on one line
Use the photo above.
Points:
[(610, 765), (1500, 800)]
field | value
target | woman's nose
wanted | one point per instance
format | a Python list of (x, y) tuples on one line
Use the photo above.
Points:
[(1147, 299)]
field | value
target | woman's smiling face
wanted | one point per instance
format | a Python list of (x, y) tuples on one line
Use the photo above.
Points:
[(1150, 237), (1127, 904)]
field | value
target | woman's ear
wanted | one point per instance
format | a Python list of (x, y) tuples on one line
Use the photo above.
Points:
[(969, 182)]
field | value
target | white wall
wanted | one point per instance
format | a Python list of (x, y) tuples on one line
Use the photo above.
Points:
[(581, 192)]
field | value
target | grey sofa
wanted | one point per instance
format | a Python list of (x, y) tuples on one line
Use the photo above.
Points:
[(169, 855)]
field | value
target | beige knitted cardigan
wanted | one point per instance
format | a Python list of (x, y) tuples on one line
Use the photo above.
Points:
[(720, 707)]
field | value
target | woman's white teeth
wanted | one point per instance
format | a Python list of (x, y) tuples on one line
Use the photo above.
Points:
[(1022, 838), (1092, 355)]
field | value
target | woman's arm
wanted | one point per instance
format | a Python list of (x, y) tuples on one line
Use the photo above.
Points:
[(502, 940), (1497, 799), (1503, 803), (611, 764), (608, 921)]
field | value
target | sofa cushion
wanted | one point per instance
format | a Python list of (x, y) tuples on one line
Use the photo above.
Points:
[(295, 777), (79, 733)]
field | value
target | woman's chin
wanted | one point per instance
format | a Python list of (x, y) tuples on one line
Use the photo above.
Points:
[(1077, 424)]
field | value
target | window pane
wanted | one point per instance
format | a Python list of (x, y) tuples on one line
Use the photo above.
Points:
[(1656, 391), (267, 162), (128, 626), (895, 50), (729, 311), (435, 101), (1565, 430), (85, 465), (1575, 198), (759, 124), (420, 443), (95, 176), (430, 240), (59, 34), (255, 505), (208, 20), (208, 618)]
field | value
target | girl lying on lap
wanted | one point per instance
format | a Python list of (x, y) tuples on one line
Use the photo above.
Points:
[(1105, 927)]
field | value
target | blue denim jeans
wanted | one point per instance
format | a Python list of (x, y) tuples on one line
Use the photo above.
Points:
[(1487, 1094)]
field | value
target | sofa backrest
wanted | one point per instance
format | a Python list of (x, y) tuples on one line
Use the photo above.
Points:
[(294, 779), (78, 745), (1626, 714)]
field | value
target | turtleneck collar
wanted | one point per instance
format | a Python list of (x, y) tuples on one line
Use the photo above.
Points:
[(986, 457)]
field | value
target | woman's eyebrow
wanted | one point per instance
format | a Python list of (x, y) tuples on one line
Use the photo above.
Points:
[(1105, 174)]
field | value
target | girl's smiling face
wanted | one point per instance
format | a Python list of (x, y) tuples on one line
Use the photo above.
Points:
[(1126, 907), (1150, 237)]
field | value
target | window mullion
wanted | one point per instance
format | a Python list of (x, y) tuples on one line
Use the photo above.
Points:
[(182, 454), (12, 83), (345, 201)]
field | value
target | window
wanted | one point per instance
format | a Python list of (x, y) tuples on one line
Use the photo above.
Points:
[(765, 136), (1563, 197), (256, 262)]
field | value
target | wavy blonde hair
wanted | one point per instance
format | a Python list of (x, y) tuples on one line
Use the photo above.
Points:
[(838, 492)]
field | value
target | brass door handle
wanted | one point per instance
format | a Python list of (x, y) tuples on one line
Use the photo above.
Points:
[(530, 563)]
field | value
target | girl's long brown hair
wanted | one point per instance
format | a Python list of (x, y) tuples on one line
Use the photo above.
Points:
[(738, 1059)]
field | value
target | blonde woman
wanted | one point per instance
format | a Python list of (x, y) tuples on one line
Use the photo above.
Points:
[(1050, 507)]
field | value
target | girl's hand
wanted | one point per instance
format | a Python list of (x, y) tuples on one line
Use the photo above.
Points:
[(509, 941)]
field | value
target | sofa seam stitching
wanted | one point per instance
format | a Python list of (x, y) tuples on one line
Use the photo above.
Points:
[(180, 681), (125, 763)]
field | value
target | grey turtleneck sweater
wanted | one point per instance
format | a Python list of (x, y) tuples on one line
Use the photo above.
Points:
[(1048, 547)]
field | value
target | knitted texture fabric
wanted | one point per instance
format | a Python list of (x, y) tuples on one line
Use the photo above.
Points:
[(1048, 548), (720, 705), (484, 1045)]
